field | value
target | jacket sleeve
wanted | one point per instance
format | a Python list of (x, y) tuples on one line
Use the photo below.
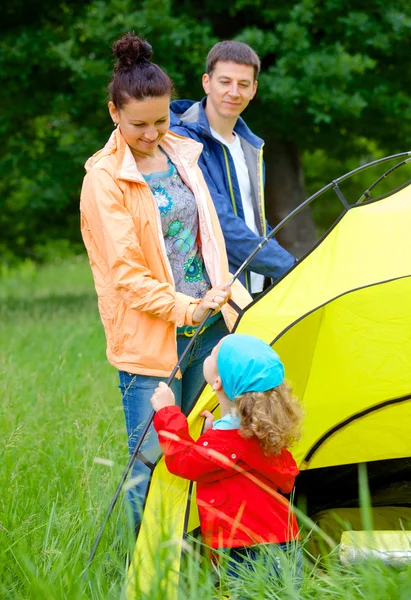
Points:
[(114, 239), (272, 260), (185, 457)]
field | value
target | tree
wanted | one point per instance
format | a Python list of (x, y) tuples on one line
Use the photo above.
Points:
[(333, 73), (55, 65)]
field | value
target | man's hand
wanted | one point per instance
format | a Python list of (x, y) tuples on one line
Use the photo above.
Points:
[(162, 397), (209, 420)]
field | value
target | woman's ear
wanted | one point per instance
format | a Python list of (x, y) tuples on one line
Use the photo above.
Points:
[(113, 112)]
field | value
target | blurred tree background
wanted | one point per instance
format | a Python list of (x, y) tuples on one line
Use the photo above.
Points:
[(334, 93)]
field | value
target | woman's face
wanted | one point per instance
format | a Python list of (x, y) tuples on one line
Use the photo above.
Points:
[(143, 123)]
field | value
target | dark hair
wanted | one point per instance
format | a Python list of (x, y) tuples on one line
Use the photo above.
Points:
[(134, 76), (232, 51)]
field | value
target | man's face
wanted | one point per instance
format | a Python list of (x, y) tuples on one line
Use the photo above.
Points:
[(230, 88)]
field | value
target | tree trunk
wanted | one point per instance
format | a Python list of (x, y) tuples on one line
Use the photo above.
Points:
[(284, 192)]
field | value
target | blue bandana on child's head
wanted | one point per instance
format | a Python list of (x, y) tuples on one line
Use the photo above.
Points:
[(246, 364)]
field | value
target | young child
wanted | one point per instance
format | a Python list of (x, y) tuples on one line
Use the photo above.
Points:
[(241, 461)]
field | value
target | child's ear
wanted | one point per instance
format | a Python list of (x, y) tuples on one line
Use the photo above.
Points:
[(217, 385)]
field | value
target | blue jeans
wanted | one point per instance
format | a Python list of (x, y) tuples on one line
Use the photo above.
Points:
[(136, 391), (273, 557)]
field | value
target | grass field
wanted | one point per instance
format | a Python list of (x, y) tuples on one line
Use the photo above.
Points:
[(60, 409)]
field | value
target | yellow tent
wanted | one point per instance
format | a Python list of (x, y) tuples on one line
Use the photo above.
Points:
[(341, 322)]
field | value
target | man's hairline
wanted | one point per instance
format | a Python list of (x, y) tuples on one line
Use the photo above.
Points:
[(235, 62)]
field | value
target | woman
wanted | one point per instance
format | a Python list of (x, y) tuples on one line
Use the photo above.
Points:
[(155, 247)]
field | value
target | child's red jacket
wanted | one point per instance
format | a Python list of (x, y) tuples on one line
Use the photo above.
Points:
[(234, 509)]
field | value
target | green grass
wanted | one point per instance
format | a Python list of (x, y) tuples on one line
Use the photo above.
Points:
[(60, 409)]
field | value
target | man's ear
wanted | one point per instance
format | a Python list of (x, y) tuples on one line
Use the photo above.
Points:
[(217, 385), (206, 82), (255, 86)]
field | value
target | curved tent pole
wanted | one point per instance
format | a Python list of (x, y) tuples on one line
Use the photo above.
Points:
[(333, 185), (366, 194)]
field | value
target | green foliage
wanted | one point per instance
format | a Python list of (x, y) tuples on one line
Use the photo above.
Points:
[(320, 169), (54, 73), (333, 74)]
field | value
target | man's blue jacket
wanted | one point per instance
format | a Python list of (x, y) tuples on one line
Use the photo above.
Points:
[(189, 119)]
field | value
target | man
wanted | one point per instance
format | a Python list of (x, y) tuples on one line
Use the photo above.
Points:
[(232, 159)]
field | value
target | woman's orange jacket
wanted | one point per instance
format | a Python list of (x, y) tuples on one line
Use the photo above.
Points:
[(120, 223)]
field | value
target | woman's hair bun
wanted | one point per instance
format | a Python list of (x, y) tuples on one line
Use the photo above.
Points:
[(131, 51), (135, 77)]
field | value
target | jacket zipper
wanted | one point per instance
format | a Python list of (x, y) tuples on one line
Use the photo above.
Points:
[(261, 190), (230, 184), (164, 252), (247, 282)]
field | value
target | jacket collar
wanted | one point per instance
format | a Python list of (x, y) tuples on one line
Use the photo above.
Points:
[(183, 152), (192, 114)]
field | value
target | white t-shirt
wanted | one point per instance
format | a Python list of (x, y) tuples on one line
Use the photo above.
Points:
[(257, 280)]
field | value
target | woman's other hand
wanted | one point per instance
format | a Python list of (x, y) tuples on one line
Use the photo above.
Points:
[(214, 299), (162, 397)]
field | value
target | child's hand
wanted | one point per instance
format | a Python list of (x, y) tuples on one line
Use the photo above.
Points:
[(162, 397), (209, 419)]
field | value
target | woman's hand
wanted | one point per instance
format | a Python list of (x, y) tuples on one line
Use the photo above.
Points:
[(162, 397), (214, 299), (209, 420)]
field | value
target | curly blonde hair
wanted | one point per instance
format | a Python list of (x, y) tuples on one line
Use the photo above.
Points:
[(274, 417)]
